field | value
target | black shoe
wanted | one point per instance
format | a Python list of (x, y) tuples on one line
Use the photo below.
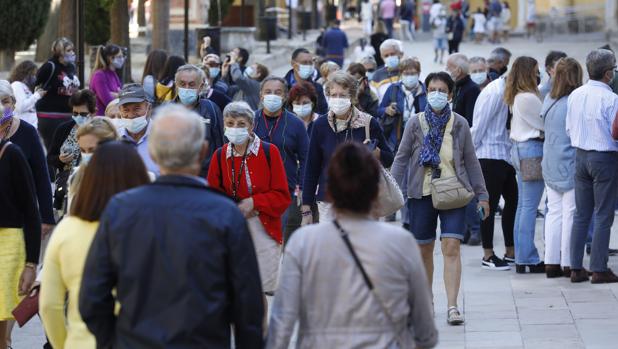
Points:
[(588, 250), (509, 260), (613, 252), (533, 268), (494, 263)]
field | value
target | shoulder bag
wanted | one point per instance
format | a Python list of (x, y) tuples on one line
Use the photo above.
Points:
[(531, 168), (399, 342), (447, 193), (390, 199)]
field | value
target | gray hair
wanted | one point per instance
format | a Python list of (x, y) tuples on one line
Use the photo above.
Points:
[(191, 68), (344, 80), (274, 78), (477, 59), (461, 61), (499, 54), (239, 109), (6, 90), (598, 62), (391, 43), (368, 60), (176, 137)]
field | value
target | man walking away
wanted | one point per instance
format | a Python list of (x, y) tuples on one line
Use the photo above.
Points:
[(335, 42)]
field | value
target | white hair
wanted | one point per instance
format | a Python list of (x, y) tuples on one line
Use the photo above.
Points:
[(391, 43), (191, 68), (239, 109), (176, 137), (6, 89), (461, 61)]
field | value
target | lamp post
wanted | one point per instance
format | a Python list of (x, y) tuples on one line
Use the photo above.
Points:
[(80, 4), (186, 34)]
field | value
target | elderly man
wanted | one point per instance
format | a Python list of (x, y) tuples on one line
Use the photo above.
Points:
[(303, 69), (498, 62), (177, 253), (591, 111), (391, 52), (213, 63), (479, 71), (189, 81), (135, 113), (493, 149)]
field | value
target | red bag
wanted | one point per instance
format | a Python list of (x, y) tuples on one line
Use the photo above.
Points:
[(27, 308)]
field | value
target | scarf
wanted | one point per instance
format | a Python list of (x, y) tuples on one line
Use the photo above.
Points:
[(430, 150)]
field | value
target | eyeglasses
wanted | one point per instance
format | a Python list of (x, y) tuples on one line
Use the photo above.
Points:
[(82, 114)]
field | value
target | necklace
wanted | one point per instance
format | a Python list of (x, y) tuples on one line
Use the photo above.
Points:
[(7, 130)]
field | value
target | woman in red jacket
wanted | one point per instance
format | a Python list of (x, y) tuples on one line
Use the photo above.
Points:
[(251, 172)]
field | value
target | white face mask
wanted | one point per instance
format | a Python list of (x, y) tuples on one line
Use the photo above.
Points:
[(302, 110), (339, 106), (237, 135), (85, 158), (478, 78), (136, 125)]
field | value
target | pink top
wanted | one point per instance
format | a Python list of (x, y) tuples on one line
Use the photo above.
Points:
[(103, 83), (387, 9)]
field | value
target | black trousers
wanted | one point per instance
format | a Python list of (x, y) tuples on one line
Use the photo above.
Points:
[(47, 127), (453, 46), (500, 180)]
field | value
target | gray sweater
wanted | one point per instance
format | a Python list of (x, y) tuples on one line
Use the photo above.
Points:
[(467, 166), (249, 88)]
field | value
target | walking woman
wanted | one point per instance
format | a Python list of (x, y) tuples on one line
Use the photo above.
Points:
[(58, 78), (252, 173), (522, 96), (23, 78), (155, 62), (343, 123), (302, 100), (437, 145), (105, 82), (323, 287), (559, 169), (115, 167)]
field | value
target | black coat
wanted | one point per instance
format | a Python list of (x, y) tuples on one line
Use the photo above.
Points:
[(184, 267), (464, 97)]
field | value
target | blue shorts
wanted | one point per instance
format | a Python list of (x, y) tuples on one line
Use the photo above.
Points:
[(424, 221), (439, 43)]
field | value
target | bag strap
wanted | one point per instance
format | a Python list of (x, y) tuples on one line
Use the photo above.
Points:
[(370, 286), (548, 109), (51, 75), (4, 146)]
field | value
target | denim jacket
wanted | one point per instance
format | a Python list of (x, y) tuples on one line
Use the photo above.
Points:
[(558, 154)]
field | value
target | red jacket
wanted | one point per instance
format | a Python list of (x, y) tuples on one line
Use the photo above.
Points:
[(270, 193)]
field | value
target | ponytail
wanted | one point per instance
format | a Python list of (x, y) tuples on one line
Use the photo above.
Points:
[(103, 55)]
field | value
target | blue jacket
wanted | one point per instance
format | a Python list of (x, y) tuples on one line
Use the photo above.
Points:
[(558, 154), (335, 42), (289, 134), (322, 145), (322, 107), (183, 264), (395, 93)]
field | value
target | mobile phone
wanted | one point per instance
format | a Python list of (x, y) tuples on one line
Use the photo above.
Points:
[(481, 212), (436, 173)]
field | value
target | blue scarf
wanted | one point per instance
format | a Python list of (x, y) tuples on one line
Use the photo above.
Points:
[(430, 151)]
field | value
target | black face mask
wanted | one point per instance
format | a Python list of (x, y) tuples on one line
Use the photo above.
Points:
[(538, 79), (503, 70)]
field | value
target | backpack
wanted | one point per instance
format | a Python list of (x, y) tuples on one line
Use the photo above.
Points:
[(389, 123)]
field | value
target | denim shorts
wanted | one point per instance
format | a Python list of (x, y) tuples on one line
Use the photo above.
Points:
[(439, 43), (424, 221)]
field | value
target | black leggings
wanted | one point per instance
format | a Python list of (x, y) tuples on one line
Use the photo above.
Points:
[(500, 180)]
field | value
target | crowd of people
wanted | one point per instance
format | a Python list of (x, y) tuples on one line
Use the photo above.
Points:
[(168, 210)]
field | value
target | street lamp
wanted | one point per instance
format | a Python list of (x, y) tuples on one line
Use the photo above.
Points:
[(80, 5)]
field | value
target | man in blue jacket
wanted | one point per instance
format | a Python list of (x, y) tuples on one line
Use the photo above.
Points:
[(335, 42), (178, 255), (303, 69)]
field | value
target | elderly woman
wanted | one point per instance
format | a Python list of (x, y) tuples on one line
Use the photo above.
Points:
[(343, 123), (402, 100), (251, 171), (311, 292), (437, 146)]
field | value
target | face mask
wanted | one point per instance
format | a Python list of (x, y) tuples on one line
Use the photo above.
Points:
[(187, 96), (305, 71), (249, 72), (339, 106), (136, 125), (118, 62), (30, 81), (478, 78), (391, 62), (237, 135), (272, 103), (214, 72), (80, 120), (85, 158), (437, 100), (503, 70), (409, 81), (302, 110), (369, 74), (69, 57)]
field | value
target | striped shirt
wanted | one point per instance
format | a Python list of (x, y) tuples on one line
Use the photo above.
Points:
[(489, 133), (591, 109)]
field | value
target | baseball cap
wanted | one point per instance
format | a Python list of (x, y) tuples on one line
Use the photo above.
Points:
[(131, 93)]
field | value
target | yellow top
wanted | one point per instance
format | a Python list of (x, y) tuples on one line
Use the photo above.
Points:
[(447, 165), (62, 273)]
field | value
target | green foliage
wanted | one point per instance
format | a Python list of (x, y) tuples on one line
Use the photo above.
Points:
[(97, 21), (213, 12), (22, 22)]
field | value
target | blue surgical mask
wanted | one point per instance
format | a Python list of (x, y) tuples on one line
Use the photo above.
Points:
[(391, 62), (272, 103), (80, 120), (249, 72), (437, 100), (118, 62), (305, 71), (302, 110), (187, 96), (136, 125), (69, 57), (85, 158), (370, 74), (237, 135), (410, 81), (214, 72), (479, 78)]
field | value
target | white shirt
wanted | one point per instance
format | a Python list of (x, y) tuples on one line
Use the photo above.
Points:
[(591, 109), (527, 122), (360, 53), (479, 23), (25, 102), (489, 134), (366, 11)]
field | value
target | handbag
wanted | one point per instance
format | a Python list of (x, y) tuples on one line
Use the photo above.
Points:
[(27, 308), (399, 341), (390, 198), (447, 193)]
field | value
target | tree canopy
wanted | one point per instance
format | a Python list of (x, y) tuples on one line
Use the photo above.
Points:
[(22, 23)]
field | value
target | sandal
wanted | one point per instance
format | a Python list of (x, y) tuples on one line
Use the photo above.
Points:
[(454, 317)]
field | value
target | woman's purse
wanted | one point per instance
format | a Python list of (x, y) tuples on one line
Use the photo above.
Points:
[(390, 199), (447, 193)]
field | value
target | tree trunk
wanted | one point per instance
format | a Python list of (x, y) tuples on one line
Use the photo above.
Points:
[(68, 20), (141, 13), (44, 42), (160, 24), (7, 59), (119, 28)]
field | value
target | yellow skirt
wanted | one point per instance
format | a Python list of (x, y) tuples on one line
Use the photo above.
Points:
[(12, 261)]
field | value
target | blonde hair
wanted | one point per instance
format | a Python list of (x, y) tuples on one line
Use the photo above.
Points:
[(104, 54), (346, 81), (112, 110), (521, 78), (60, 45), (328, 67)]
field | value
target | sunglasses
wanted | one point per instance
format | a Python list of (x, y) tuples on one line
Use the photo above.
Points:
[(82, 114)]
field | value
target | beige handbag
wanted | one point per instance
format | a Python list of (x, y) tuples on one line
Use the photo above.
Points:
[(447, 193), (390, 199)]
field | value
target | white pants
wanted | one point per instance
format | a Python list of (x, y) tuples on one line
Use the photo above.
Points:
[(404, 27), (268, 253), (367, 27), (326, 211), (558, 224)]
